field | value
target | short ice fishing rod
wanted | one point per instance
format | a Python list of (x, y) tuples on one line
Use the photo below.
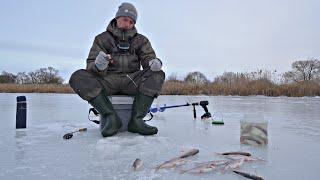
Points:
[(70, 135), (203, 104)]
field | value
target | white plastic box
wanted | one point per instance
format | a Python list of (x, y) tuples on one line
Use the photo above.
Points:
[(254, 130)]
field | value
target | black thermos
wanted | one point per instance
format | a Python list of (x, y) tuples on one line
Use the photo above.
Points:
[(21, 116)]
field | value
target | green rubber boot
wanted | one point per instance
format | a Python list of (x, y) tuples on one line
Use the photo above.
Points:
[(105, 108), (141, 106)]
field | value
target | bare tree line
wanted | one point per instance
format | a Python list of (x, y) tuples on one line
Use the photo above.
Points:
[(302, 80), (304, 70), (41, 76)]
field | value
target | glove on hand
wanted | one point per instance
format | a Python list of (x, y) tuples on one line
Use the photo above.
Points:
[(101, 61), (155, 64)]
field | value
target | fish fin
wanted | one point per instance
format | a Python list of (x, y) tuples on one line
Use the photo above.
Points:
[(158, 167), (260, 159)]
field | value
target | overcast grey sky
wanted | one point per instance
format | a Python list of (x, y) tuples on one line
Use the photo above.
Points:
[(211, 36)]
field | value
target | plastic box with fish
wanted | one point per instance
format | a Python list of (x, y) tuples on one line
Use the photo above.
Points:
[(254, 130)]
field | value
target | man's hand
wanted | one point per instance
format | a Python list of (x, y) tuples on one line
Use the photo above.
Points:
[(102, 61), (155, 64)]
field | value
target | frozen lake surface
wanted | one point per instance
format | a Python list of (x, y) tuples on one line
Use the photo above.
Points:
[(40, 152)]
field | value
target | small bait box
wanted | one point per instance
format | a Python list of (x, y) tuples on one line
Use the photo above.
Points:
[(123, 106), (254, 130)]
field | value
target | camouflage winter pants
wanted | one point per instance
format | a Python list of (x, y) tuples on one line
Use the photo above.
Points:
[(88, 85)]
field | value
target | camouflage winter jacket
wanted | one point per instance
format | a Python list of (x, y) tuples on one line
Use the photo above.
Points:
[(139, 53)]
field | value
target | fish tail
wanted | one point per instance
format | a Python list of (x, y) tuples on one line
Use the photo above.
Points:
[(250, 176), (260, 159)]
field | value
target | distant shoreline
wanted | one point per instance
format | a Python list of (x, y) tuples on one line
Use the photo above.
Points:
[(183, 88)]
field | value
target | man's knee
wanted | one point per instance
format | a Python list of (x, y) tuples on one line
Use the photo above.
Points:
[(152, 86), (85, 84), (78, 76)]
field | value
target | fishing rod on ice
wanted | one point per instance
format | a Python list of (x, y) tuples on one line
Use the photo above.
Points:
[(151, 111), (70, 135), (203, 104)]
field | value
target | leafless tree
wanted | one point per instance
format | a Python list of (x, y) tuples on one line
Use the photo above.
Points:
[(23, 78), (172, 77), (196, 78), (45, 76), (6, 77), (303, 71), (34, 77), (226, 77)]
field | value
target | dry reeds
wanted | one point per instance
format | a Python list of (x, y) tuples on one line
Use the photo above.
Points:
[(35, 88), (241, 87)]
